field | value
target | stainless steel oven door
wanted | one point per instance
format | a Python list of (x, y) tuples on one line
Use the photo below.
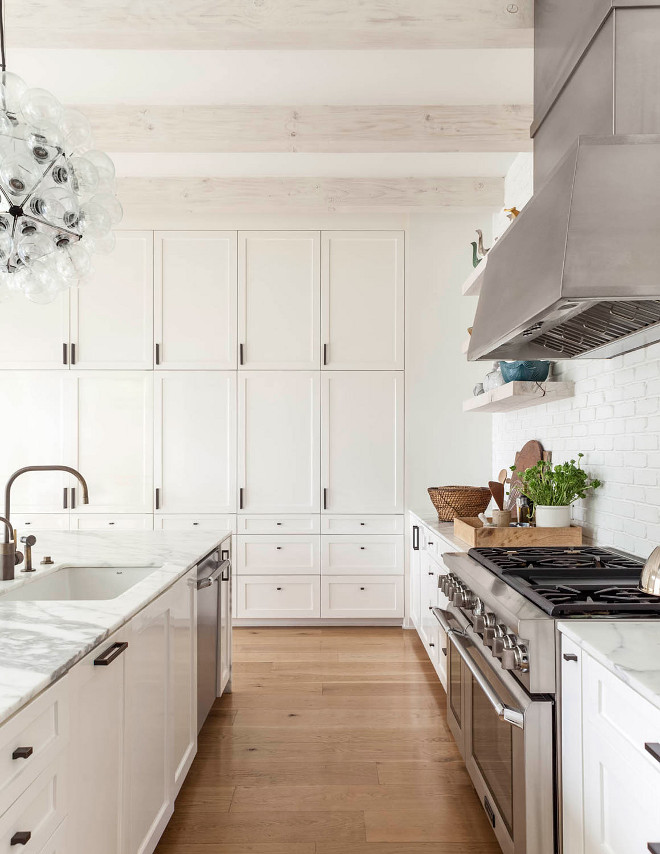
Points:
[(508, 746)]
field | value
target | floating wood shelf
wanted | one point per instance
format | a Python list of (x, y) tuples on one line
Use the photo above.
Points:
[(465, 346), (518, 395), (472, 285)]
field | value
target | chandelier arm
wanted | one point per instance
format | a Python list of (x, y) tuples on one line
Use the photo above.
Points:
[(3, 63), (43, 174), (57, 228), (6, 197)]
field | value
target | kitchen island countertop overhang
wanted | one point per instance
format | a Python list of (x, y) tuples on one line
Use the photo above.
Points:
[(41, 640)]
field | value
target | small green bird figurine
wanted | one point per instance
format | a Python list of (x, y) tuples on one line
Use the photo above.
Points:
[(476, 260)]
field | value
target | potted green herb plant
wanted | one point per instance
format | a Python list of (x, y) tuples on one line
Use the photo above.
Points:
[(553, 489)]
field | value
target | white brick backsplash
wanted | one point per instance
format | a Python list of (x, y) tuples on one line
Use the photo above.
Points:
[(614, 419)]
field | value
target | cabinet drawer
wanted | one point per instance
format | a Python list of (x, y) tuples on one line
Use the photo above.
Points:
[(119, 522), (380, 555), (277, 555), (39, 811), (362, 525), (278, 524), (261, 596), (30, 523), (40, 730), (59, 842), (191, 522), (367, 596)]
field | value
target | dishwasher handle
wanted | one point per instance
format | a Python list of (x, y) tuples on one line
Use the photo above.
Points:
[(202, 583)]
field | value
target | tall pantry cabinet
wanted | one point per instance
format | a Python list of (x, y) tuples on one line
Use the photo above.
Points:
[(251, 380)]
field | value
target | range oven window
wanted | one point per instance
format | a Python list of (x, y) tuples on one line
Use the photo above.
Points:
[(454, 680), (492, 750)]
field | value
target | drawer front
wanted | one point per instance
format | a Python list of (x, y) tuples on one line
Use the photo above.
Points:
[(294, 596), (377, 555), (31, 740), (201, 522), (59, 842), (39, 811), (116, 522), (367, 596), (278, 525), (277, 555), (32, 523), (362, 525)]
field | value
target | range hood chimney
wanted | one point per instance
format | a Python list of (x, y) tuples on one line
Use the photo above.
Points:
[(576, 274)]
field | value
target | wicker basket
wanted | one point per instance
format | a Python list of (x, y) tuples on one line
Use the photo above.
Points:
[(451, 501)]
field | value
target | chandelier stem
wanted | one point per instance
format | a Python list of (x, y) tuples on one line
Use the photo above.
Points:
[(3, 62)]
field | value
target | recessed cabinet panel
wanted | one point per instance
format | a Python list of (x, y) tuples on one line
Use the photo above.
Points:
[(278, 303), (195, 522), (362, 300), (195, 442), (343, 555), (34, 336), (195, 305), (112, 314), (33, 523), (362, 442), (362, 597), (183, 692), (292, 596), (115, 522), (278, 441), (274, 555), (115, 441), (41, 406), (263, 524), (362, 524)]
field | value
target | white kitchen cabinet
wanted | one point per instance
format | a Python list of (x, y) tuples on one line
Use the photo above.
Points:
[(429, 628), (362, 300), (263, 523), (416, 543), (364, 525), (284, 596), (112, 314), (34, 336), (114, 441), (279, 299), (368, 555), (34, 523), (225, 627), (572, 794), (195, 442), (112, 522), (183, 678), (195, 299), (195, 522), (362, 596), (39, 810), (277, 555), (97, 703), (362, 441), (278, 441), (41, 406)]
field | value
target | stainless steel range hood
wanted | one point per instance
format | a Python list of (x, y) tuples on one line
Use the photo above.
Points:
[(577, 274)]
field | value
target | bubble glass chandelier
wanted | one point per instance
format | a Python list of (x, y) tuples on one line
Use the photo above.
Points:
[(57, 193)]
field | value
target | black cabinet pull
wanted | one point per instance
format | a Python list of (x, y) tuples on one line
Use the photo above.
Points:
[(444, 650), (157, 498), (278, 588), (22, 753), (21, 837), (73, 497), (158, 354), (279, 548), (430, 573), (570, 656), (65, 360), (325, 498), (654, 847), (415, 538), (73, 354), (65, 498), (431, 643), (240, 498), (361, 588), (653, 748), (109, 655), (240, 354), (325, 354), (362, 548)]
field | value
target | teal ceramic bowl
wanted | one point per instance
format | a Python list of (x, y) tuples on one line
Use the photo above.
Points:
[(525, 371)]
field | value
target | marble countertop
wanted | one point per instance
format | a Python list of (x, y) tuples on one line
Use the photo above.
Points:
[(40, 641), (628, 648), (445, 529)]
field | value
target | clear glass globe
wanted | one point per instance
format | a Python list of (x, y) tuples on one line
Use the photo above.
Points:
[(58, 206), (40, 108), (33, 247), (6, 246), (83, 176), (76, 131), (19, 175), (44, 282), (104, 165), (94, 220), (111, 204), (104, 245), (73, 262), (6, 125), (12, 90)]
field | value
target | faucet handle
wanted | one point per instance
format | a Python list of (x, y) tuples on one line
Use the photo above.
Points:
[(18, 558), (29, 540)]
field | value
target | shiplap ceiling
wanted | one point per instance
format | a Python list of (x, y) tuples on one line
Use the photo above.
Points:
[(325, 104)]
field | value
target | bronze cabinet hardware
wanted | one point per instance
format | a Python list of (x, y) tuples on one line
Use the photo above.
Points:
[(65, 499), (22, 753), (241, 354), (21, 837), (240, 498), (653, 748), (570, 656), (73, 354), (325, 354), (73, 498), (325, 498), (65, 360), (157, 498), (158, 354), (110, 654)]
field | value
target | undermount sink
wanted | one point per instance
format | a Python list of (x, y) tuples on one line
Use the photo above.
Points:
[(80, 582)]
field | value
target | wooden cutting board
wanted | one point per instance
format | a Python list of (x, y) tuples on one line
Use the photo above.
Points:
[(529, 455)]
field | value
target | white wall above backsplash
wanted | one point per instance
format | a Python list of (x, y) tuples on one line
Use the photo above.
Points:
[(614, 419)]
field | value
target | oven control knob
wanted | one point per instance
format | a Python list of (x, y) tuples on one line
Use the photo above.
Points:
[(500, 644), (491, 634), (478, 609), (516, 658), (463, 599), (483, 622)]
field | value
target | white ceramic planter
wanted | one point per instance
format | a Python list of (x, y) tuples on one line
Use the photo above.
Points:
[(553, 517)]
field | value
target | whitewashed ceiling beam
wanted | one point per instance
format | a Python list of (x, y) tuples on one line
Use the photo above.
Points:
[(313, 129), (270, 24), (208, 196)]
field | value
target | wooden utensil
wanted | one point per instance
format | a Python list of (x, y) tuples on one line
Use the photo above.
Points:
[(497, 491), (529, 455), (502, 476)]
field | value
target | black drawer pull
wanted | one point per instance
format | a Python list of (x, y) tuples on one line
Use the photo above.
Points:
[(570, 656), (654, 847), (444, 650), (431, 644), (109, 655), (278, 588), (21, 837), (653, 748), (279, 548), (362, 588), (22, 753), (362, 548)]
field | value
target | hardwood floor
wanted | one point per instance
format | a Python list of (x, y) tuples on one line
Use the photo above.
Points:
[(334, 741)]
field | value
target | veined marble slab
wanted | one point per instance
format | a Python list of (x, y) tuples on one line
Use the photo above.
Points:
[(628, 648), (40, 641)]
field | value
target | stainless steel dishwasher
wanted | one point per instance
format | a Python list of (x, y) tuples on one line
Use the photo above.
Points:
[(213, 578)]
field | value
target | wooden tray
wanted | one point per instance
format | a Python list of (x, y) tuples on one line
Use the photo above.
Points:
[(472, 532)]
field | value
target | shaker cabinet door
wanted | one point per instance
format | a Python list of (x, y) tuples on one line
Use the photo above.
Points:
[(34, 336), (278, 299), (195, 304)]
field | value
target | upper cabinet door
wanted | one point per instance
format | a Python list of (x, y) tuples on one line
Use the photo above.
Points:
[(362, 300), (40, 410), (112, 315), (278, 441), (195, 307), (115, 441), (278, 299), (34, 336), (195, 442), (362, 441)]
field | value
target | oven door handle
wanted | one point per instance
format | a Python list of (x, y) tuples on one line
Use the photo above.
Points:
[(505, 713)]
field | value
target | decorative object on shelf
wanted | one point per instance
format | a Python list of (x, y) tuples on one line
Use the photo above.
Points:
[(524, 510), (480, 244), (478, 534), (476, 260), (528, 456), (497, 491), (494, 378), (554, 489), (451, 501), (512, 213), (57, 195), (478, 389), (485, 521), (501, 518), (529, 370)]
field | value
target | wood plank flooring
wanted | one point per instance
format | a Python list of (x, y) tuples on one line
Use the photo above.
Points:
[(334, 741)]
